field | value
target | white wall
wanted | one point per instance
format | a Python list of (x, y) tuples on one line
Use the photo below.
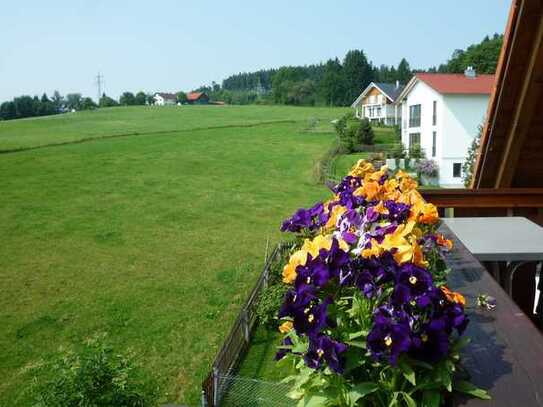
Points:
[(424, 95), (458, 118)]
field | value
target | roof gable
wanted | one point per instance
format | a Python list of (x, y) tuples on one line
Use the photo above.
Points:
[(192, 96), (390, 90)]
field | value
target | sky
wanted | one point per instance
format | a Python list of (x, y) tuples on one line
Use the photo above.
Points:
[(172, 45)]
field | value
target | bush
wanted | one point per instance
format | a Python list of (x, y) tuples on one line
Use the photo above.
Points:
[(365, 133), (95, 376), (416, 152), (269, 303), (398, 151), (469, 163)]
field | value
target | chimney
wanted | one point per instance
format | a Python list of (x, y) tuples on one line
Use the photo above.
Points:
[(397, 84), (470, 72)]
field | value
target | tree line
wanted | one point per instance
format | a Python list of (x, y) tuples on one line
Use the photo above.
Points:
[(333, 83)]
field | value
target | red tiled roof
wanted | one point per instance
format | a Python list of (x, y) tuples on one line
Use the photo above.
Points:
[(194, 95), (448, 83)]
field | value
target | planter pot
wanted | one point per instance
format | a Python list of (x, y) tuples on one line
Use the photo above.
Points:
[(407, 163), (401, 163), (391, 163), (428, 180)]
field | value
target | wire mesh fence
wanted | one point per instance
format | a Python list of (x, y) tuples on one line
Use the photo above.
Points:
[(217, 384), (242, 391)]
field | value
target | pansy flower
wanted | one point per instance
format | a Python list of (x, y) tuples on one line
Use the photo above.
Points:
[(322, 349)]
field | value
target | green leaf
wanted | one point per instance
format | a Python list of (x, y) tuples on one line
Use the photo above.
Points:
[(409, 400), (431, 399), (407, 372), (358, 334), (445, 378), (471, 389), (357, 344), (313, 401), (361, 390)]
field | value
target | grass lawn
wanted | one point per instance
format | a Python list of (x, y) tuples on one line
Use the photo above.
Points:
[(155, 239)]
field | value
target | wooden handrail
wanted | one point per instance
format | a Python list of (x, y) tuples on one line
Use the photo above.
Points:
[(485, 197)]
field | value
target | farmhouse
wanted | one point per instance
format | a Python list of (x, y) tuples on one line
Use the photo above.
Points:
[(197, 98), (442, 114), (376, 103), (162, 99)]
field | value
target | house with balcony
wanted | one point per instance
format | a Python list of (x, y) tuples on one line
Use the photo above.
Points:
[(377, 103), (442, 113)]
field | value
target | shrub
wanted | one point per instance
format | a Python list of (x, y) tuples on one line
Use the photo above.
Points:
[(365, 132), (416, 152), (95, 376), (469, 164), (269, 303), (398, 151)]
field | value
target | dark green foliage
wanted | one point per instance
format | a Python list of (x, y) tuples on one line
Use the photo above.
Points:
[(333, 83), (141, 98), (88, 104), (127, 99), (365, 133), (416, 152), (483, 57), (94, 376), (27, 106), (73, 101), (398, 151), (106, 101), (181, 97), (469, 164), (270, 301)]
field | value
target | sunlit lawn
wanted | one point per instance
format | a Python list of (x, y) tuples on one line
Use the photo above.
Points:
[(154, 239)]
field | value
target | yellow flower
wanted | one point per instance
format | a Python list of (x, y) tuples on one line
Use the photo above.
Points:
[(428, 214), (375, 250), (286, 327), (408, 184), (418, 256), (337, 211), (377, 175), (289, 271), (380, 208), (361, 168), (397, 240), (368, 190)]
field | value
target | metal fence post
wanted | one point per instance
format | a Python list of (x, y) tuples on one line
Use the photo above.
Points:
[(245, 325), (204, 400), (215, 387)]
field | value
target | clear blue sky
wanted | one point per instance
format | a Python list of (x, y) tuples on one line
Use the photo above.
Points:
[(171, 45)]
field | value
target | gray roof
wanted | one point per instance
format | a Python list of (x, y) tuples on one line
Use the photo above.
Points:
[(390, 89)]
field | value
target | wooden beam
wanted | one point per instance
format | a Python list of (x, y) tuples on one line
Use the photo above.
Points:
[(525, 110), (485, 197)]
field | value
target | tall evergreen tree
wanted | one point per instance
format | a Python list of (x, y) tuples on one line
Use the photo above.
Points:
[(358, 74), (403, 73)]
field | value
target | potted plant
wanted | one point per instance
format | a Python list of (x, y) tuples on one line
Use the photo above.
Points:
[(427, 171)]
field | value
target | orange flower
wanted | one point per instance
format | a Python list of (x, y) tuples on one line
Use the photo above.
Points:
[(418, 256), (286, 327), (369, 190), (453, 296), (361, 168), (441, 241)]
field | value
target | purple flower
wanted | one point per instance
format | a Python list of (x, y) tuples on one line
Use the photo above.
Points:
[(412, 282), (309, 219), (390, 335), (397, 212), (322, 349), (311, 320), (297, 301)]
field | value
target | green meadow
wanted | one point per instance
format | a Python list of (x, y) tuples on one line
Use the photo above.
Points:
[(149, 224)]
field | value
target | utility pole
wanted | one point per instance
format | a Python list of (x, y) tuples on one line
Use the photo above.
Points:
[(99, 84)]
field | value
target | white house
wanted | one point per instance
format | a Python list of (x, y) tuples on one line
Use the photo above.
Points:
[(442, 114), (162, 99), (376, 103)]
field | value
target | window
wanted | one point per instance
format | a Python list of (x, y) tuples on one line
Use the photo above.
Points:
[(379, 111), (434, 113), (457, 170), (414, 140), (434, 139), (414, 116)]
